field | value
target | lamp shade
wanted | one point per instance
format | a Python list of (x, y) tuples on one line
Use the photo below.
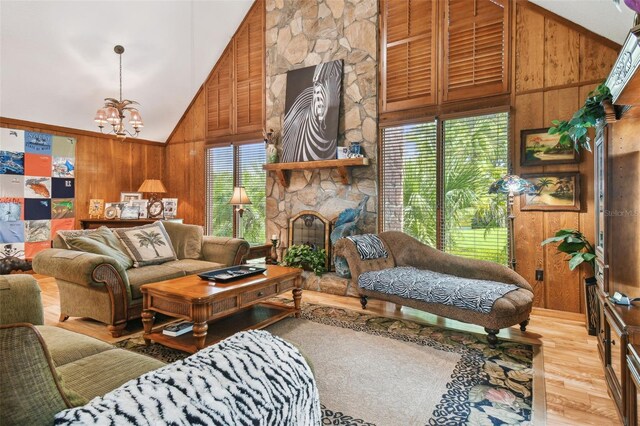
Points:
[(511, 184), (239, 196), (152, 185)]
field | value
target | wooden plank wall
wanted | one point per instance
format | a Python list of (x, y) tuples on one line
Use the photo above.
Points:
[(556, 65), (105, 166), (184, 156)]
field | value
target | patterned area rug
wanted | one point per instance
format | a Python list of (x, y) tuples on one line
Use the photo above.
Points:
[(484, 386)]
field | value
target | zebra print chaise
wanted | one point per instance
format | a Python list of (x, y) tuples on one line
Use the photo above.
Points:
[(396, 267)]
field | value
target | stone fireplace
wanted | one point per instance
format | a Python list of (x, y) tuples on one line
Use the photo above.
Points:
[(312, 229)]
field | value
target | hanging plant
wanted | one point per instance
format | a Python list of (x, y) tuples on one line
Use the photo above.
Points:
[(574, 131)]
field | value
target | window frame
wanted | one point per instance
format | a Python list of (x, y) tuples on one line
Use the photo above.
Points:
[(236, 182), (440, 156)]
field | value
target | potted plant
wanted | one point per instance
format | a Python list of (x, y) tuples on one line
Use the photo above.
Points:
[(580, 251), (303, 256)]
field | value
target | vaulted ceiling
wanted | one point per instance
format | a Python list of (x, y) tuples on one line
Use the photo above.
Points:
[(57, 62)]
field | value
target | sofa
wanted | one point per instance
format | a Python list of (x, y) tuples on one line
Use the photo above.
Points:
[(106, 287), (51, 375), (406, 268)]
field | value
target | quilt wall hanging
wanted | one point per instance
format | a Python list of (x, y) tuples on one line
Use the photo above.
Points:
[(37, 190), (311, 113)]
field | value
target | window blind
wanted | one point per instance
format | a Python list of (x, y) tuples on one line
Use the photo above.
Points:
[(250, 174), (409, 176), (454, 213), (475, 153), (219, 190)]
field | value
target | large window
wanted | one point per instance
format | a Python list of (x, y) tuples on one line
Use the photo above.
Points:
[(236, 165), (435, 180)]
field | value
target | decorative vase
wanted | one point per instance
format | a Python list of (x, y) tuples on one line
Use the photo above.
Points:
[(272, 153)]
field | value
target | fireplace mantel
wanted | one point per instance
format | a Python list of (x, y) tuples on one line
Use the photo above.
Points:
[(342, 165)]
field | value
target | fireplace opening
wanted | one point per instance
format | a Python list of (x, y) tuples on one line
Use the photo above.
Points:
[(312, 229)]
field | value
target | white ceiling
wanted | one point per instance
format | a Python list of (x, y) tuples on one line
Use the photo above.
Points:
[(600, 16), (57, 62)]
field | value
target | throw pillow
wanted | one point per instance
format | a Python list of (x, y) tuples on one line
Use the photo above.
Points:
[(71, 234), (369, 246), (186, 239), (106, 236), (147, 245), (89, 245)]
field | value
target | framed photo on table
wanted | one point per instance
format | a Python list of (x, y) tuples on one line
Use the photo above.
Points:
[(552, 192), (130, 196), (96, 208), (130, 211), (142, 207), (539, 148), (170, 207)]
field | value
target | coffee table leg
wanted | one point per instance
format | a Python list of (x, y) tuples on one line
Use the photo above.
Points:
[(148, 317), (200, 333), (297, 295)]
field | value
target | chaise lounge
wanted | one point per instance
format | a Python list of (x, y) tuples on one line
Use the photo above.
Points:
[(396, 267)]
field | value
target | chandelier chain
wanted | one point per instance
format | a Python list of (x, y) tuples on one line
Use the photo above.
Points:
[(120, 55)]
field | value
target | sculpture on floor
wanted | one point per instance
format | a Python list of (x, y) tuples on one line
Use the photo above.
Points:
[(349, 223)]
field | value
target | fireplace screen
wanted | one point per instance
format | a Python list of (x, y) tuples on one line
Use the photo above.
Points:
[(312, 229)]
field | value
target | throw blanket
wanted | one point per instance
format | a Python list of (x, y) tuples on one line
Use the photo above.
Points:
[(434, 287), (369, 246), (251, 378)]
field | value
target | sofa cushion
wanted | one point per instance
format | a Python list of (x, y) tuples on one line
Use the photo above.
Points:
[(91, 245), (192, 266), (435, 287), (101, 373), (66, 346), (60, 240), (150, 274), (147, 245), (186, 239)]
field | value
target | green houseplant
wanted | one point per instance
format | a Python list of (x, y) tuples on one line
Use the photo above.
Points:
[(575, 130), (303, 256), (580, 251)]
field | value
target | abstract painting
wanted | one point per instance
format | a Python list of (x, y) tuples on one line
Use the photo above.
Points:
[(312, 111)]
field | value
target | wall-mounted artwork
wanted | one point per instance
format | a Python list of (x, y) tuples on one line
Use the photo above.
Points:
[(552, 192), (37, 190), (539, 148), (312, 110)]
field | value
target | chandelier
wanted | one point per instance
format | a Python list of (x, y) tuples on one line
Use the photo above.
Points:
[(113, 111)]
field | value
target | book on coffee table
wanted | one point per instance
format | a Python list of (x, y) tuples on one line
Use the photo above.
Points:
[(178, 329)]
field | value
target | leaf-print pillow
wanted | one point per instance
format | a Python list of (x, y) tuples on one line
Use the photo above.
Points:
[(147, 244)]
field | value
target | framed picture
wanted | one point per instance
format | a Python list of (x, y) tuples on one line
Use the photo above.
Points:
[(96, 208), (142, 207), (312, 112), (553, 192), (170, 207), (117, 206), (130, 196), (539, 148), (130, 211)]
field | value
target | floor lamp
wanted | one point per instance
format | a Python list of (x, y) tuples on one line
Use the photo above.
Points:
[(511, 185), (238, 199)]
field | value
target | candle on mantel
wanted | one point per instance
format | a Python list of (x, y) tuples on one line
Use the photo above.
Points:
[(274, 237)]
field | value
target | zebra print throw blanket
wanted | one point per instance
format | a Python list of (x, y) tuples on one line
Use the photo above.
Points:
[(251, 378)]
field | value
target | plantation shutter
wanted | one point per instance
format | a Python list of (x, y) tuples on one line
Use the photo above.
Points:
[(249, 79), (219, 98), (409, 175), (250, 174), (475, 47), (475, 153), (409, 53), (219, 220)]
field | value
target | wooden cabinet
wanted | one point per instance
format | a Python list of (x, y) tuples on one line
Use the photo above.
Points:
[(235, 87), (617, 225), (633, 384), (460, 46)]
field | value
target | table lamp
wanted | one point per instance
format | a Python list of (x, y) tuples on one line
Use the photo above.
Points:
[(512, 185), (238, 200), (153, 187)]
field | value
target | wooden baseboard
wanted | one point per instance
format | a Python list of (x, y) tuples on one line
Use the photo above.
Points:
[(552, 313)]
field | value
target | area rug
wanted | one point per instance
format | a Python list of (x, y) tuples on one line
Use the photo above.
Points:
[(374, 370)]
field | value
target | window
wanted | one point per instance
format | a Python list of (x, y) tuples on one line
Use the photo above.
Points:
[(435, 178), (229, 166)]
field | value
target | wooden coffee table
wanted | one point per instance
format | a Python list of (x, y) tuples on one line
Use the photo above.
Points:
[(218, 310)]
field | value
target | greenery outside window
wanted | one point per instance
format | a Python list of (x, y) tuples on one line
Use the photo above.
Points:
[(229, 166), (435, 177)]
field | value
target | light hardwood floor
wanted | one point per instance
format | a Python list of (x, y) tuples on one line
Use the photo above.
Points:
[(576, 393)]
